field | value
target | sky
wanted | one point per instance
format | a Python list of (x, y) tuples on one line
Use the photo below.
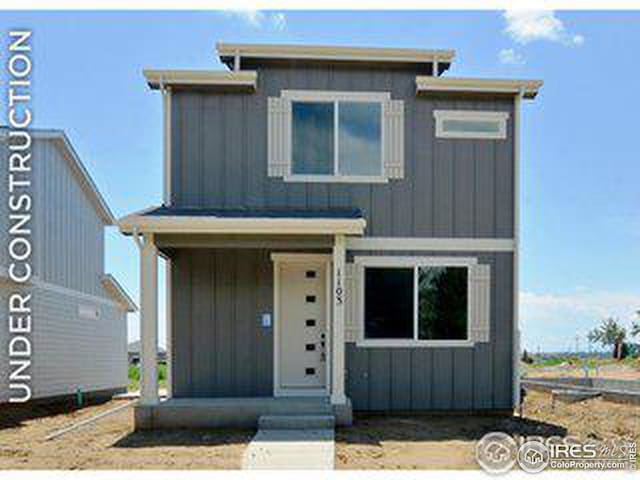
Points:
[(580, 163)]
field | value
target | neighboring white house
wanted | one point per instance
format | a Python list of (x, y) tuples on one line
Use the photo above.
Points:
[(79, 313)]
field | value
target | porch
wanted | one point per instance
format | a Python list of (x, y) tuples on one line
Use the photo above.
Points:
[(286, 348), (234, 412)]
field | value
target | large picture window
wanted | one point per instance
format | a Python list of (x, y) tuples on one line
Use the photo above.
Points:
[(415, 300)]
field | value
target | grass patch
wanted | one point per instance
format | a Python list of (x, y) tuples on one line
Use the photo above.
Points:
[(134, 376)]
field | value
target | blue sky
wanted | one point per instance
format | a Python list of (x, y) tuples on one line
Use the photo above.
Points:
[(580, 157)]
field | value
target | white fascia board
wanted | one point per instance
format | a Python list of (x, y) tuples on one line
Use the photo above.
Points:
[(165, 78), (428, 84), (432, 244), (336, 53), (118, 293), (186, 224)]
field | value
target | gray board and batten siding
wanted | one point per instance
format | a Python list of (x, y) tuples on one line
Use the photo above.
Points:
[(451, 188), (220, 348)]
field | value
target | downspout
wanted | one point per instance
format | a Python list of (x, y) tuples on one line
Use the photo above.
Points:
[(516, 250)]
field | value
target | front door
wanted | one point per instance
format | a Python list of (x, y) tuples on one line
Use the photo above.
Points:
[(301, 329)]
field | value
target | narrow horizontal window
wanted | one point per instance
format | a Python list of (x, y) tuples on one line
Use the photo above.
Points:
[(471, 124)]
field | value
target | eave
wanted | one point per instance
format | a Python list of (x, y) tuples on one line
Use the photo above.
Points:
[(118, 293), (245, 80), (141, 223), (228, 51), (433, 85)]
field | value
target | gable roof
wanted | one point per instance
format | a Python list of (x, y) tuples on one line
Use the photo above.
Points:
[(60, 139), (229, 51), (118, 293)]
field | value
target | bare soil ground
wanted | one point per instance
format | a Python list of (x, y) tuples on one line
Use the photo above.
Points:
[(428, 442), (448, 442), (110, 443)]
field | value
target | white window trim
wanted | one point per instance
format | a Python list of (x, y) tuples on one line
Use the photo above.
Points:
[(471, 115), (335, 97), (363, 262)]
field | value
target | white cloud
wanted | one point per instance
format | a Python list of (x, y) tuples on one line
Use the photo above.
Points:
[(552, 321), (258, 19), (509, 56), (526, 26)]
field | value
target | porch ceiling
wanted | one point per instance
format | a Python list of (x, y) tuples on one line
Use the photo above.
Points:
[(181, 220)]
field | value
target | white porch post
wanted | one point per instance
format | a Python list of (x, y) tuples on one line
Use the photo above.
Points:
[(337, 360), (148, 321)]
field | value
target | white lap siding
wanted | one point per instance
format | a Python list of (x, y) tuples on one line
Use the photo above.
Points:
[(70, 351)]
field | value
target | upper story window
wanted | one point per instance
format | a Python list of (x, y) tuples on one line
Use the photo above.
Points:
[(336, 138), (471, 124), (326, 136)]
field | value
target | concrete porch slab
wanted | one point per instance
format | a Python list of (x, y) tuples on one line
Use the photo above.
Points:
[(233, 412)]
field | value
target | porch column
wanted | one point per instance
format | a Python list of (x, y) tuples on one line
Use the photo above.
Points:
[(337, 360), (148, 321)]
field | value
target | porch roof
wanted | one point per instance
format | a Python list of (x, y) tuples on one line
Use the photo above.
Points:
[(332, 221)]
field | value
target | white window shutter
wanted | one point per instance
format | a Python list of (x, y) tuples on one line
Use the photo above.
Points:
[(393, 138), (279, 137), (351, 298), (480, 302)]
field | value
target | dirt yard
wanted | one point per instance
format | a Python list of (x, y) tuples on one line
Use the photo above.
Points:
[(435, 442), (111, 444), (440, 442)]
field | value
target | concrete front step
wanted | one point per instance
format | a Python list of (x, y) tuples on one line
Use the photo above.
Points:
[(296, 422)]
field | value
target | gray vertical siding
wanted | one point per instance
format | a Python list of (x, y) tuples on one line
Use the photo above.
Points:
[(464, 188), (68, 233), (451, 188), (441, 378), (220, 348)]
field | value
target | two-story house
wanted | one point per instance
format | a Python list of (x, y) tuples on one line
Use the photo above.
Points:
[(69, 332), (341, 232)]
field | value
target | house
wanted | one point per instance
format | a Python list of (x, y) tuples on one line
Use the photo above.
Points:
[(133, 353), (340, 227), (78, 313)]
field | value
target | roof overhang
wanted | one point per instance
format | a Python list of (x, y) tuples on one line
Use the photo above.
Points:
[(59, 138), (245, 80), (187, 224), (229, 51), (113, 287), (432, 85)]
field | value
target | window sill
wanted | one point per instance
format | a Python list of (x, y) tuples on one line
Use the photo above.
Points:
[(335, 179), (400, 343)]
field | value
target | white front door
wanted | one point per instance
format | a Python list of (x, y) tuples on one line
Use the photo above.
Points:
[(301, 331)]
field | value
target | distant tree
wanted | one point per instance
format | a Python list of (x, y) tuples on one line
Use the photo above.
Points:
[(526, 358), (610, 333), (635, 326)]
